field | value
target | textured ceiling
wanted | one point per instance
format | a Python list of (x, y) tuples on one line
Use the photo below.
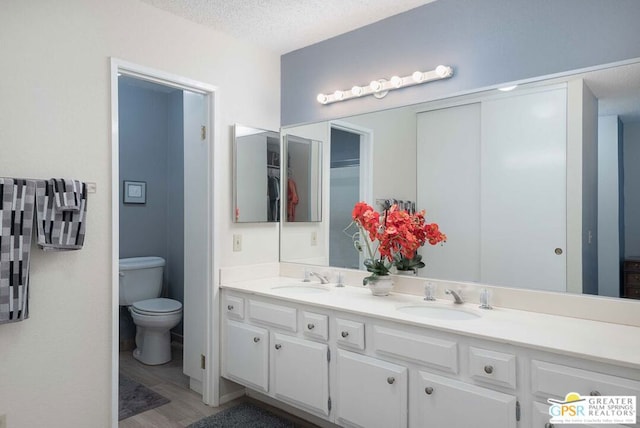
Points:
[(285, 25)]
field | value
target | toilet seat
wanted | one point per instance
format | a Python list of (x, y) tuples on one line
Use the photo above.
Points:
[(157, 307)]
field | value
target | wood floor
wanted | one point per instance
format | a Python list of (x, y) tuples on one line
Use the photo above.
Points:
[(186, 406)]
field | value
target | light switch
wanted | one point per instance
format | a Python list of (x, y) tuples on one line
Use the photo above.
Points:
[(237, 242), (314, 238)]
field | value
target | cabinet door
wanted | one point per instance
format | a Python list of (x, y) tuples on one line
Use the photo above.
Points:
[(246, 355), (443, 402), (301, 373), (370, 393)]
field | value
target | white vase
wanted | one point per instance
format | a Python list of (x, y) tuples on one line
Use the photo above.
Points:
[(381, 286)]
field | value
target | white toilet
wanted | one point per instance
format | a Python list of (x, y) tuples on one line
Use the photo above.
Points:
[(154, 317)]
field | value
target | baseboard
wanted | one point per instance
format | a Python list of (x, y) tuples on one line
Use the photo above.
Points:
[(231, 396)]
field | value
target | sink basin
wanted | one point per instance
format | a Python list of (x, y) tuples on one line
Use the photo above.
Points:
[(439, 312), (300, 289)]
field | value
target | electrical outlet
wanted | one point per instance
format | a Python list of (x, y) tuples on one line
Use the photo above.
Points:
[(314, 238), (3, 421), (237, 243)]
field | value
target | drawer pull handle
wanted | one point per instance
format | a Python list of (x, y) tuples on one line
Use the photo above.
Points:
[(311, 326), (230, 307), (344, 334), (278, 346), (256, 339), (595, 393), (549, 425), (391, 380), (558, 251), (428, 390), (488, 369)]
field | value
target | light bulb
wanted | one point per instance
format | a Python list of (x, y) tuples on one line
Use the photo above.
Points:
[(322, 98), (375, 85), (338, 95), (357, 91), (508, 88), (396, 81), (418, 76), (443, 71)]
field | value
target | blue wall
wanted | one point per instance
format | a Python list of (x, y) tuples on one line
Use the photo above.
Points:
[(487, 42)]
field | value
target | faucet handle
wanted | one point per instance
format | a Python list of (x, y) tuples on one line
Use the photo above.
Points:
[(429, 291), (339, 279)]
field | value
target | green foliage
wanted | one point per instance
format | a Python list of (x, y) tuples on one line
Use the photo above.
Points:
[(402, 263)]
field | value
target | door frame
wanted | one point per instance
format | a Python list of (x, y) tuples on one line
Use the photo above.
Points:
[(210, 393)]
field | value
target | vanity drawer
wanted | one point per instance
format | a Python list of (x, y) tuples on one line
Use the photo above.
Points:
[(315, 325), (555, 381), (350, 333), (438, 353), (493, 367), (274, 315), (234, 307)]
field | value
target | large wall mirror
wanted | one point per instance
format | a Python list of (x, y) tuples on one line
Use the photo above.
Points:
[(256, 175), (535, 187)]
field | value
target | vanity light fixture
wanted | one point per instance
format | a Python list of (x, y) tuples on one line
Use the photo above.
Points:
[(381, 87)]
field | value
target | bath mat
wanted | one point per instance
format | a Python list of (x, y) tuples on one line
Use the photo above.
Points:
[(244, 415), (134, 398)]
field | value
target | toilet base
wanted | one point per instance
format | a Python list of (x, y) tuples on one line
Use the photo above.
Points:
[(154, 347)]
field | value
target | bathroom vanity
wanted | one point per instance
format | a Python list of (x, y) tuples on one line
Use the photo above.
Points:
[(357, 360)]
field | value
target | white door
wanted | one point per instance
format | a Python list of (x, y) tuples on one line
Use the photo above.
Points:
[(370, 393), (448, 173), (246, 355), (301, 373), (197, 254), (523, 191), (444, 402)]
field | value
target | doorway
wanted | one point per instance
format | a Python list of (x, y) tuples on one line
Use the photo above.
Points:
[(349, 183), (176, 217)]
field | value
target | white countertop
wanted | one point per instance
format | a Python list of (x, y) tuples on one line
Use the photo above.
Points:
[(598, 341)]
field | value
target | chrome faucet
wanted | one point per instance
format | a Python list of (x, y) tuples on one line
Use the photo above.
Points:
[(323, 279), (457, 296)]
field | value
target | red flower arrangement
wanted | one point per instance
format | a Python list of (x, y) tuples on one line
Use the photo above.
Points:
[(399, 236)]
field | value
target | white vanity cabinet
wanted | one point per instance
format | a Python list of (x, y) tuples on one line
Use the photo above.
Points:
[(361, 371), (300, 372), (246, 354), (267, 350), (370, 393), (444, 402)]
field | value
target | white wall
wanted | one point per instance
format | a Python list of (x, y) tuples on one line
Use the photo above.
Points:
[(631, 150), (55, 368), (609, 146)]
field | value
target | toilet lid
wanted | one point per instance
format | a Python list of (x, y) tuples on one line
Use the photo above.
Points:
[(157, 306)]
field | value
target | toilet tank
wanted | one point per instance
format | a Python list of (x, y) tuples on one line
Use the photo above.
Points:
[(140, 279)]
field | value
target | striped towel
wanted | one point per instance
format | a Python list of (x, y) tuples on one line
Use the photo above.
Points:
[(67, 194), (59, 230), (16, 226)]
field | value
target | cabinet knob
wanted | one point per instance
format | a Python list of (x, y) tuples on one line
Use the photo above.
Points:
[(311, 326), (549, 425), (256, 339), (344, 334), (278, 346), (488, 369), (595, 393), (230, 307), (428, 390), (558, 251), (391, 380)]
